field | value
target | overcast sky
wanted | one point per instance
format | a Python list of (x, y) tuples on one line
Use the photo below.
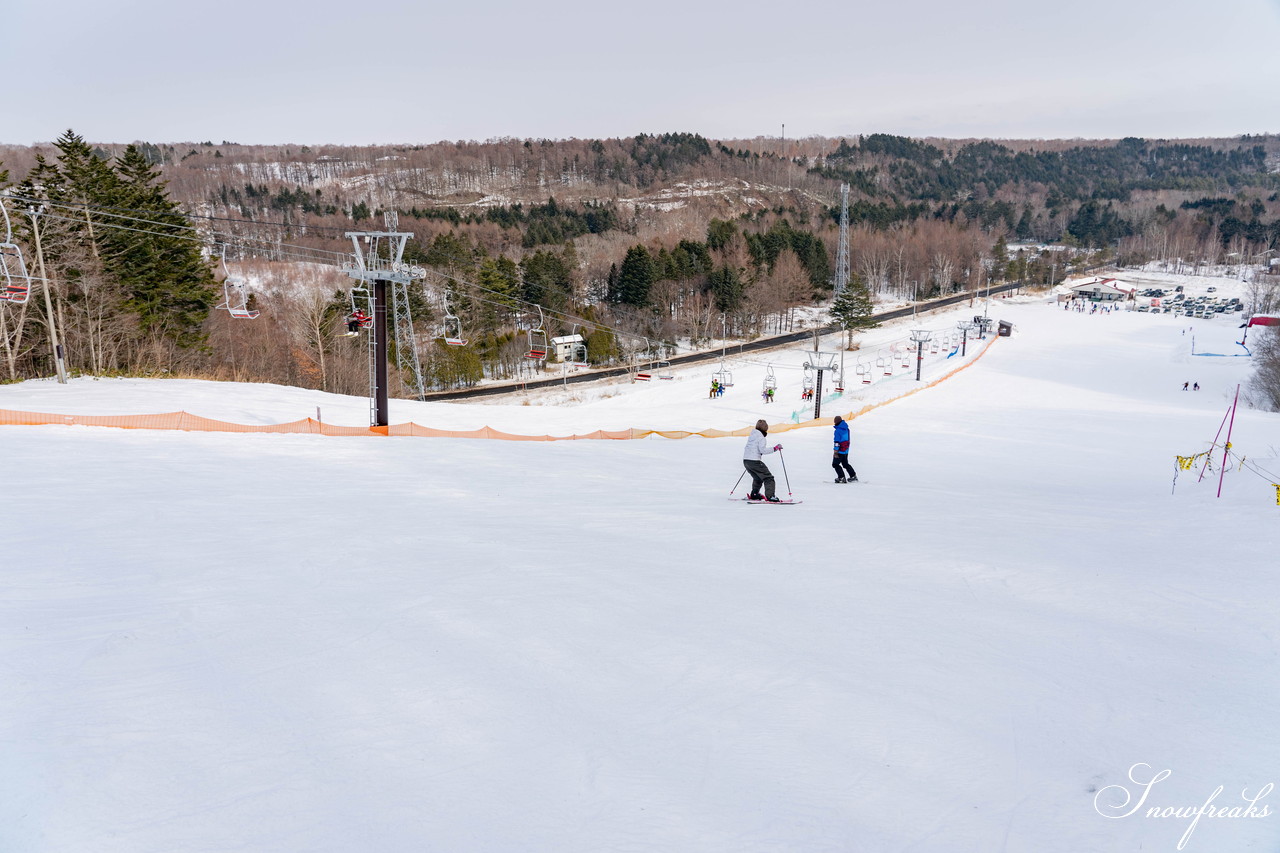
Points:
[(421, 72)]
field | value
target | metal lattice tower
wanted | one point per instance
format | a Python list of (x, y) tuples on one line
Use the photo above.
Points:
[(380, 260), (842, 253), (406, 341)]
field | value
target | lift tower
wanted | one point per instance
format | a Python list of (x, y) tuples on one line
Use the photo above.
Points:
[(842, 253), (378, 258)]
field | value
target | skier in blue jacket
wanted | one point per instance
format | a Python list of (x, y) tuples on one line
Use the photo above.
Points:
[(840, 454)]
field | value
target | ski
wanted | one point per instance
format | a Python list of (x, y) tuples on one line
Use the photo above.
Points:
[(767, 502)]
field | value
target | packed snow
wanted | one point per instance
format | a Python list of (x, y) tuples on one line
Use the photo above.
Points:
[(255, 642)]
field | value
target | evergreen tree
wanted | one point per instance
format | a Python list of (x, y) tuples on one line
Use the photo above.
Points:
[(854, 309), (546, 280), (635, 277), (169, 285), (602, 346), (501, 276), (999, 259), (1024, 229), (719, 233), (727, 287)]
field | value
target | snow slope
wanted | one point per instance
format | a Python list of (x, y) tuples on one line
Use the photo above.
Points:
[(218, 642)]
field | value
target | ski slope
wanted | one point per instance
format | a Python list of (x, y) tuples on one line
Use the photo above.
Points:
[(220, 642)]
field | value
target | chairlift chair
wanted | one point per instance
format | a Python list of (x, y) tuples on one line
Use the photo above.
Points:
[(15, 283), (364, 318), (770, 381), (538, 345), (235, 293), (453, 329), (723, 376), (14, 280), (863, 369)]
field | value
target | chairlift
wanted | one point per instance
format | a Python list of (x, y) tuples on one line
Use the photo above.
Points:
[(884, 359), (723, 376), (14, 280), (770, 381), (538, 346), (235, 293), (863, 370), (808, 380), (359, 317), (452, 328)]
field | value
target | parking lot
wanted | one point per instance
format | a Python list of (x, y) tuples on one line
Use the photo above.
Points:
[(1171, 301)]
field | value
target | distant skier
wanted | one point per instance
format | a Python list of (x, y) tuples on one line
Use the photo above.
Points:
[(1184, 385), (840, 454), (1195, 387), (715, 388), (760, 474)]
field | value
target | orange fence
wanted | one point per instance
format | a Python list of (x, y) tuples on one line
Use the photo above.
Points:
[(195, 423)]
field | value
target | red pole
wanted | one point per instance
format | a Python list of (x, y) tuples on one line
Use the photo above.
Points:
[(1226, 447)]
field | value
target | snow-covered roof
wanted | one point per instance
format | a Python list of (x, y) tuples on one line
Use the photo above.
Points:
[(567, 339), (1102, 285)]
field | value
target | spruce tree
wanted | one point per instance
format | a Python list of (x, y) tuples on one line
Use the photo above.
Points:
[(637, 275), (727, 287), (853, 309), (546, 280), (169, 284)]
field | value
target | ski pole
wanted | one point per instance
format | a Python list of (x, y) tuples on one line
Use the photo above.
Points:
[(735, 485), (784, 472)]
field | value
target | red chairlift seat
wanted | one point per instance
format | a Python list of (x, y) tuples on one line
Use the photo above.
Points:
[(13, 275)]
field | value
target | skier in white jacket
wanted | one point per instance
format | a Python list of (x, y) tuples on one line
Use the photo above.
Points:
[(759, 472)]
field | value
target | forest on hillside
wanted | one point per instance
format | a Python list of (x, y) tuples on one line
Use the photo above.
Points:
[(641, 244)]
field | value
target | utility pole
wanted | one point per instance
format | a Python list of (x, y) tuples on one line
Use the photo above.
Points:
[(59, 363)]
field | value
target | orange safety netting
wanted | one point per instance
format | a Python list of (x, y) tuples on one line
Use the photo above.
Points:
[(310, 426)]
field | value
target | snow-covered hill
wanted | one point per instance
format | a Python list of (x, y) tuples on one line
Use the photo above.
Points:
[(217, 642)]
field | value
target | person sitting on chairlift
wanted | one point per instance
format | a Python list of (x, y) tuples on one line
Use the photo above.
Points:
[(356, 320)]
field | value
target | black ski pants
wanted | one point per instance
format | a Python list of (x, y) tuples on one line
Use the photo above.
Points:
[(760, 475), (840, 462)]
